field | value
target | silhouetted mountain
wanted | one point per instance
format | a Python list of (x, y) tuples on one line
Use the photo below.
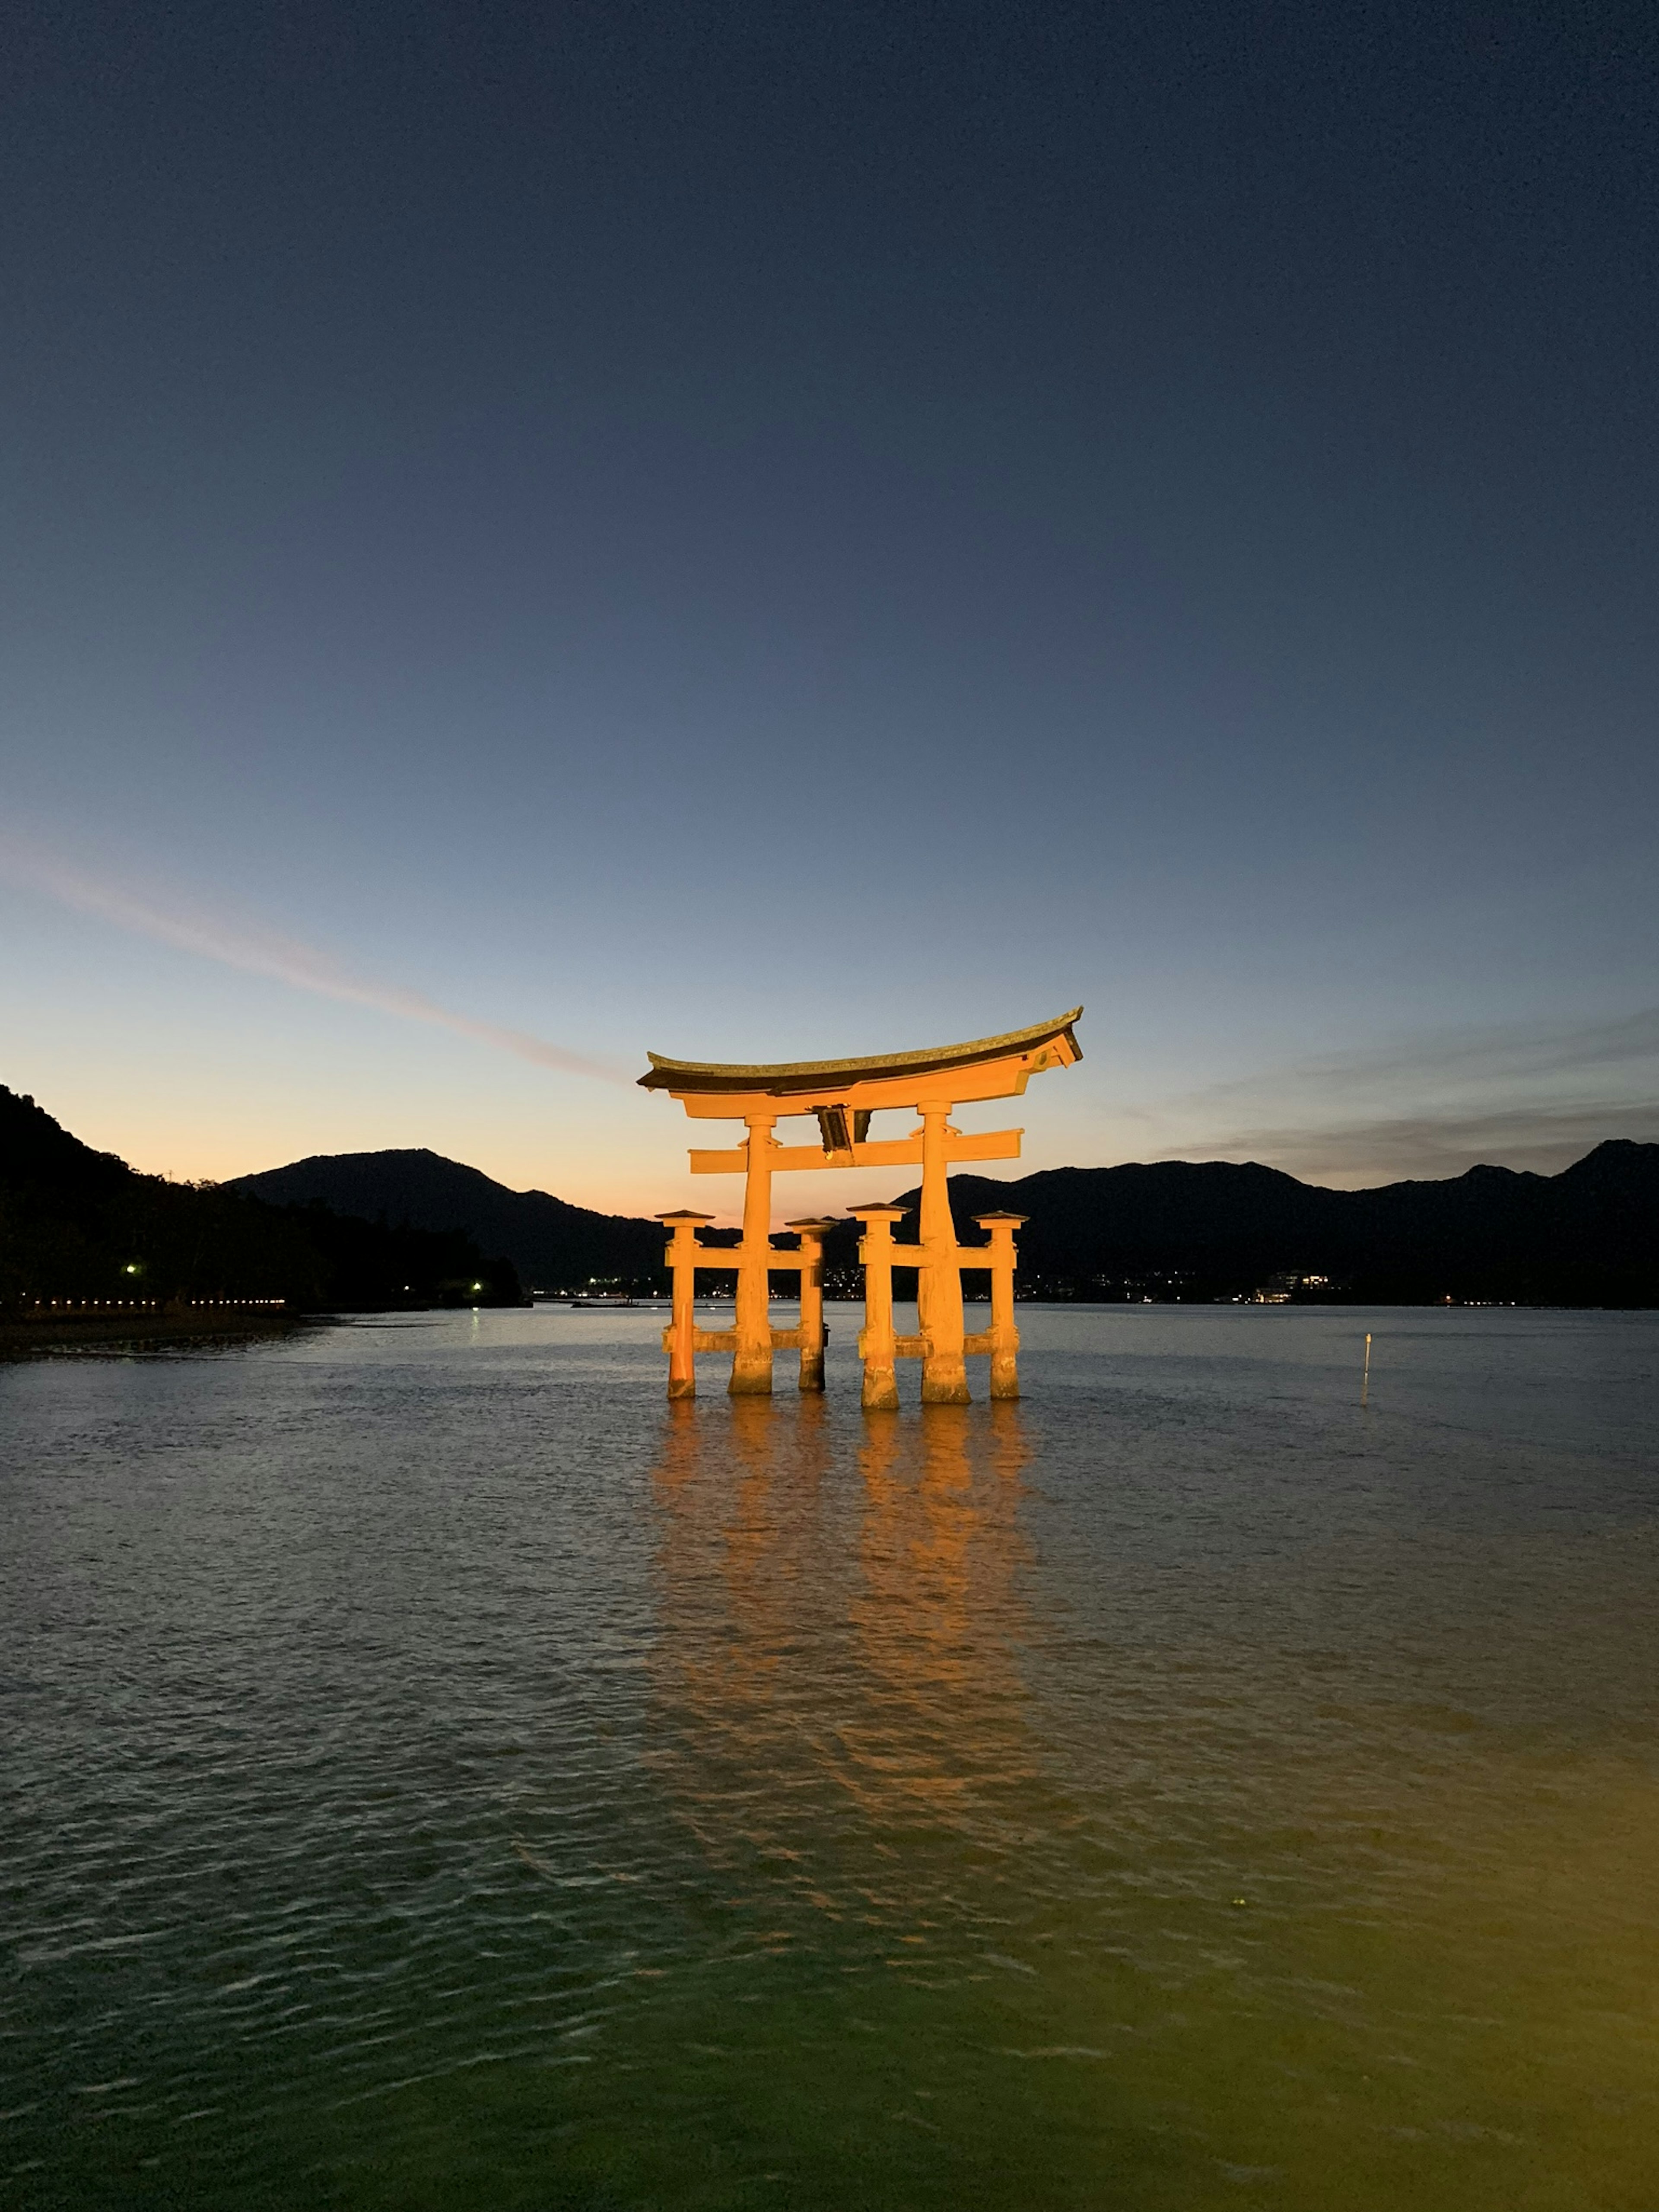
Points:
[(77, 1224), (385, 1228), (554, 1246), (1588, 1236), (1172, 1229)]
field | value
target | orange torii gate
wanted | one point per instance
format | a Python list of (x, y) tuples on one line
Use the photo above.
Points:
[(842, 1094)]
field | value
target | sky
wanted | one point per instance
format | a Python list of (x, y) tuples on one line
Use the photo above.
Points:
[(535, 533)]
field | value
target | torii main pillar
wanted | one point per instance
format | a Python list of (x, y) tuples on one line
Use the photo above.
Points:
[(842, 1096), (938, 1279)]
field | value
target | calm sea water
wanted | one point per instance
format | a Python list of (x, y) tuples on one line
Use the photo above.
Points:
[(440, 1774)]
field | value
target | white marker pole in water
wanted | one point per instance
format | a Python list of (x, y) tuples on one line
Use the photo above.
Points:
[(1365, 1377)]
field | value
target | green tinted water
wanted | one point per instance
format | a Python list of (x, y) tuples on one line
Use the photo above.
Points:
[(442, 1775)]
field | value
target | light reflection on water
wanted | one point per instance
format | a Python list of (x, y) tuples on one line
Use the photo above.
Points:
[(447, 1775)]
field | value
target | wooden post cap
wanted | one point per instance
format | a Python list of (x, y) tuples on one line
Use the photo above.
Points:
[(877, 1212), (819, 1224), (683, 1213), (1014, 1220)]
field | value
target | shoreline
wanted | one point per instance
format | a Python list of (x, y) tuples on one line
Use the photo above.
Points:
[(18, 1339)]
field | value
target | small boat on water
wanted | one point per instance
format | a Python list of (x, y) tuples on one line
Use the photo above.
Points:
[(587, 1305)]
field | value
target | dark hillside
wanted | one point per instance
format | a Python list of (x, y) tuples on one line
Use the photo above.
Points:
[(554, 1246), (407, 1226), (79, 1225), (1587, 1236), (1164, 1230)]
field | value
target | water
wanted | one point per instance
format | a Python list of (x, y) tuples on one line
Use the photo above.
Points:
[(442, 1775)]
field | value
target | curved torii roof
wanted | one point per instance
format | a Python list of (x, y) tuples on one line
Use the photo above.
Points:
[(818, 1077)]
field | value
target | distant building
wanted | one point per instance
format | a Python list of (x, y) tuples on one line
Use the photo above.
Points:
[(1279, 1290)]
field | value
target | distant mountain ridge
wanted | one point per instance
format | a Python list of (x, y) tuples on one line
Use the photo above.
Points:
[(1587, 1236), (79, 1228), (1161, 1230), (554, 1245), (361, 1229)]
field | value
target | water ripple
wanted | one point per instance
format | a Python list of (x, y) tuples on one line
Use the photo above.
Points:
[(442, 1774)]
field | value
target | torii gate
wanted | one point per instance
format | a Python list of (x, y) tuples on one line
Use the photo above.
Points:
[(843, 1095)]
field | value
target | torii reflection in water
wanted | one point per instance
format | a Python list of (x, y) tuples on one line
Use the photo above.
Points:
[(841, 1614)]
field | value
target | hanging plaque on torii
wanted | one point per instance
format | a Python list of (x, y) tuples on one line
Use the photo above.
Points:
[(842, 1096)]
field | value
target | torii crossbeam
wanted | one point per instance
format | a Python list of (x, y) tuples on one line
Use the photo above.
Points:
[(842, 1094)]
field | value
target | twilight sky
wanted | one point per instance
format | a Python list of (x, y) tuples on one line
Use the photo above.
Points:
[(538, 530)]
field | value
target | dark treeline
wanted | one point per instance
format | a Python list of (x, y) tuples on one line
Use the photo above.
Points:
[(410, 1228), (77, 1224), (555, 1245), (1180, 1230), (1170, 1229)]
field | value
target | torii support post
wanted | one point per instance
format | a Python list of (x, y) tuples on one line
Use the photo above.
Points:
[(812, 1234), (877, 1346), (1002, 1260), (681, 1334), (682, 1340)]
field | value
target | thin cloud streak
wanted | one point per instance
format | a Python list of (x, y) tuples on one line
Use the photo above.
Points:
[(259, 951), (1484, 1055), (1534, 1097), (1544, 1139)]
